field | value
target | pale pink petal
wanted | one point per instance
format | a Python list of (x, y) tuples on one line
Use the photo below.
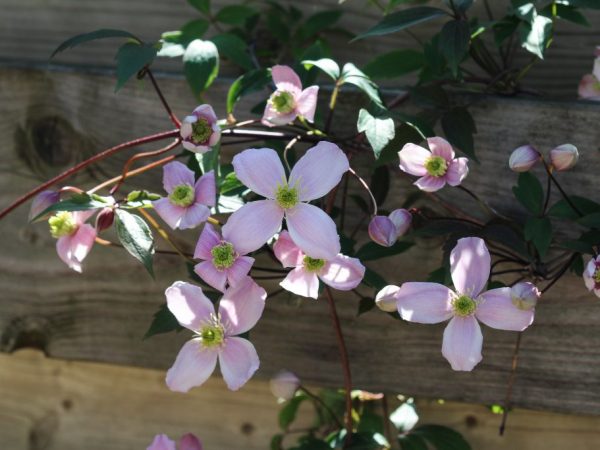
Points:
[(241, 306), (401, 218), (596, 71), (192, 367), (462, 343), (496, 309), (211, 275), (170, 213), (301, 282), (194, 215), (186, 129), (470, 266), (207, 112), (175, 174), (343, 273), (251, 226), (272, 118), (206, 189), (208, 239), (424, 302), (589, 88), (440, 147), (457, 171), (195, 148), (313, 231), (588, 274), (162, 442), (189, 305), (430, 184), (82, 242), (80, 217), (412, 159), (63, 249), (306, 103), (319, 170), (284, 77), (387, 299), (215, 136), (190, 442), (42, 201), (239, 270), (286, 250), (260, 169), (239, 361), (382, 231)]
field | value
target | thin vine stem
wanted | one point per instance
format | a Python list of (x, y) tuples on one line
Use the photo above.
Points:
[(172, 116)]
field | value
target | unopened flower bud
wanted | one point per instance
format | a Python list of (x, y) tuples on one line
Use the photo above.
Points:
[(591, 275), (42, 201), (284, 384), (524, 295), (386, 298), (523, 158), (190, 442), (564, 157), (383, 231), (105, 219), (401, 219)]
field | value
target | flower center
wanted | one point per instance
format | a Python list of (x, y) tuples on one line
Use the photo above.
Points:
[(464, 306), (182, 195), (212, 335), (597, 275), (436, 166), (201, 131), (62, 224), (283, 102), (286, 196), (223, 255), (313, 264)]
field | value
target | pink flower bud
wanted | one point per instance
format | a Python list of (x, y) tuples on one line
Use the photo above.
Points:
[(523, 158), (190, 442), (104, 219), (401, 219), (42, 201), (524, 295), (564, 157), (591, 276), (383, 231), (386, 298), (284, 384)]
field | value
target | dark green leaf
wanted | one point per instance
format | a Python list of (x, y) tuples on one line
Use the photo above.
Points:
[(374, 280), (442, 438), (329, 66), (539, 231), (459, 128), (77, 202), (371, 250), (566, 12), (563, 210), (403, 135), (311, 443), (318, 22), (504, 28), (200, 64), (365, 304), (230, 185), (288, 413), (247, 83), (454, 42), (430, 96), (201, 5), (131, 58), (136, 237), (577, 266), (379, 129), (461, 5), (590, 220), (370, 423), (394, 64), (233, 48), (235, 14), (353, 75), (578, 246), (400, 20), (380, 184), (529, 192), (277, 442), (163, 322), (535, 37), (412, 442), (506, 235), (86, 37)]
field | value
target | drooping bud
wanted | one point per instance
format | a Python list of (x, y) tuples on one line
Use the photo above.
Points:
[(105, 219), (401, 219), (190, 442), (42, 201), (564, 157), (524, 295), (284, 384), (523, 158), (386, 298), (383, 231)]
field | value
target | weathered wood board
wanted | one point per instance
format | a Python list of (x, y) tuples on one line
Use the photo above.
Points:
[(102, 315)]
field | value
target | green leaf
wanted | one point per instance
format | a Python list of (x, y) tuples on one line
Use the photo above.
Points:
[(233, 48), (459, 128), (365, 304), (563, 210), (374, 280), (136, 237), (590, 220), (353, 75), (529, 192), (235, 14), (288, 413), (318, 22), (461, 5), (380, 184), (379, 130), (277, 442), (403, 135), (535, 37), (163, 322), (400, 20), (394, 64), (249, 82), (566, 12), (371, 251), (442, 438), (454, 42), (412, 442), (131, 58), (539, 231), (329, 66), (201, 5), (504, 28), (77, 202), (86, 37), (200, 64)]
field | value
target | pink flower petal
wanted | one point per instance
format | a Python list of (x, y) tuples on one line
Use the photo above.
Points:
[(239, 270), (284, 77), (424, 302), (412, 159), (195, 148), (343, 273), (63, 249), (430, 184), (239, 361), (211, 275), (208, 239), (206, 189), (401, 218), (272, 118), (301, 282), (588, 88), (319, 170), (387, 299), (190, 442), (82, 216), (74, 248), (462, 343), (588, 274), (189, 305), (170, 213), (286, 250), (185, 131), (251, 226), (162, 442), (42, 201), (192, 367), (457, 171), (596, 70), (260, 169), (313, 231), (497, 310), (175, 174), (306, 103), (241, 306), (207, 112), (470, 266), (440, 147), (194, 215)]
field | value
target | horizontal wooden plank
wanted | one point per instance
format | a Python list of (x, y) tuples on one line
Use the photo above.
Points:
[(51, 120)]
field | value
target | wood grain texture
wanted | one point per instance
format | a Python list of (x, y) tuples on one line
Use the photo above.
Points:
[(102, 315), (59, 405)]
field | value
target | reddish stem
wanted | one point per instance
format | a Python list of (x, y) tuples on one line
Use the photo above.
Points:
[(172, 116)]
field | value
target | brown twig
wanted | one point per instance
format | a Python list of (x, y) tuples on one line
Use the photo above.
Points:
[(172, 116)]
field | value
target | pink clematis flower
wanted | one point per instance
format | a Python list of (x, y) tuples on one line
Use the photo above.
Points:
[(224, 258), (200, 131), (289, 100), (189, 201), (589, 86), (187, 442), (591, 275), (385, 230), (434, 303), (436, 166), (239, 309), (341, 272), (313, 176), (75, 237)]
